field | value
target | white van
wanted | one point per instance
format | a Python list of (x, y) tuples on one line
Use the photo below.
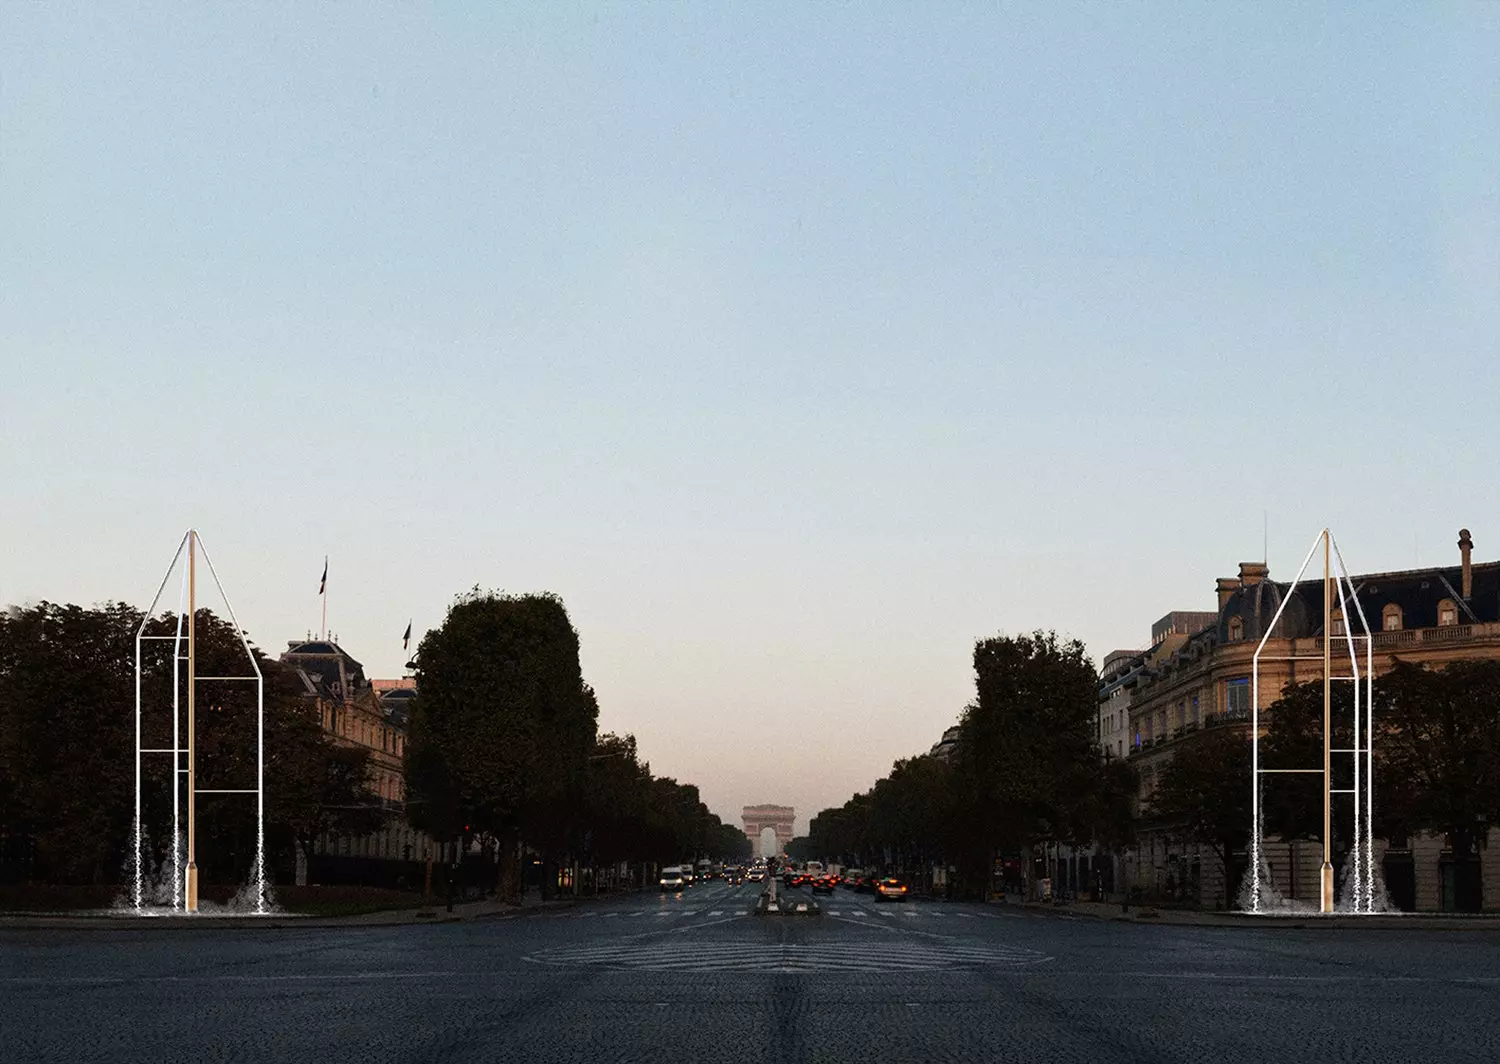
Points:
[(672, 878)]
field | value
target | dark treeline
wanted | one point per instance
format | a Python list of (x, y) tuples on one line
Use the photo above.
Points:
[(1026, 770), (504, 750), (67, 750)]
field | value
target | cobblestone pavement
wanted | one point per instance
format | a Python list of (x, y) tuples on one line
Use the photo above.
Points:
[(697, 978)]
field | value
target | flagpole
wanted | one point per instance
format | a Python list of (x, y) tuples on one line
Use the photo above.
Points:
[(323, 592)]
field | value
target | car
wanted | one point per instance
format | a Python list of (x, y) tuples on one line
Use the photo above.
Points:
[(890, 889), (822, 885), (756, 875), (672, 878)]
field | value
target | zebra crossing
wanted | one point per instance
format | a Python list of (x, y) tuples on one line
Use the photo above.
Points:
[(900, 913), (882, 956)]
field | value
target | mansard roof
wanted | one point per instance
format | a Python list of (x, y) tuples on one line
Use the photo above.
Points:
[(1417, 592)]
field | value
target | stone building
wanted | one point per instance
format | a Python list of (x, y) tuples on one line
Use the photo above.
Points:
[(1430, 616), (373, 715)]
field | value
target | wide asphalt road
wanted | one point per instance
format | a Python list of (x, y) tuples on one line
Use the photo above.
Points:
[(692, 978)]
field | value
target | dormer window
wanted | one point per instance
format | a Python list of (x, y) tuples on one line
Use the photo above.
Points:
[(1391, 618), (1447, 613), (1337, 620), (1236, 629)]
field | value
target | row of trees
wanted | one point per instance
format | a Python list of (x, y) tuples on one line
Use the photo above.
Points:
[(1026, 770), (505, 745)]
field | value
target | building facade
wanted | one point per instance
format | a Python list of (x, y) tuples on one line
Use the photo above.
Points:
[(374, 716), (1430, 616)]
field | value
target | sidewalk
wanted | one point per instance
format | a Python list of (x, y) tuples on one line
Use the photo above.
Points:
[(1146, 914)]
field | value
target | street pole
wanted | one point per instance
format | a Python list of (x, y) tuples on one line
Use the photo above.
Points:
[(190, 903), (1327, 905)]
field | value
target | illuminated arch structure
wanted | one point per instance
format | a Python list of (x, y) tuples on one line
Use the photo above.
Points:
[(757, 818)]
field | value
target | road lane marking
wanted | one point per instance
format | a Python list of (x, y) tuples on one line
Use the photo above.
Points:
[(717, 912)]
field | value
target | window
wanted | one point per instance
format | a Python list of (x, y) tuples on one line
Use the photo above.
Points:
[(1447, 613), (1196, 719), (1181, 714), (1236, 629), (1338, 622), (1391, 618), (1237, 697)]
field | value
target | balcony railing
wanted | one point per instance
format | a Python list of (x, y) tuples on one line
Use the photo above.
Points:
[(1409, 637)]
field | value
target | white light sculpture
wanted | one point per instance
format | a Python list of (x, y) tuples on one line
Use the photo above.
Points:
[(185, 878), (1335, 579)]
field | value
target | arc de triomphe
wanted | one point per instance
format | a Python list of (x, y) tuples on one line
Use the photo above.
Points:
[(759, 817)]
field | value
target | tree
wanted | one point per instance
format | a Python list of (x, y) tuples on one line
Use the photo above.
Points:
[(1437, 751), (1026, 761), (617, 801), (1203, 796), (503, 724), (66, 736)]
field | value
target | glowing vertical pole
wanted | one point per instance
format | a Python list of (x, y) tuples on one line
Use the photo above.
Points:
[(1255, 841), (136, 840), (1369, 773), (190, 902), (177, 897), (1327, 870)]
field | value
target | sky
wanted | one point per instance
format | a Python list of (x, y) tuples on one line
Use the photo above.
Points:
[(796, 347)]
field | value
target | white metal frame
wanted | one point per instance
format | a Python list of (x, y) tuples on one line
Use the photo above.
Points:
[(184, 897), (1363, 791)]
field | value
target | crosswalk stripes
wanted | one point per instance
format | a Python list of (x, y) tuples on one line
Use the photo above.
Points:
[(861, 956), (858, 912)]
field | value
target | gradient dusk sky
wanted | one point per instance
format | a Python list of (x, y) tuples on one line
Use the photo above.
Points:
[(795, 346)]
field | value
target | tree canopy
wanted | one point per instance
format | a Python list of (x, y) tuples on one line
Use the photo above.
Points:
[(67, 676)]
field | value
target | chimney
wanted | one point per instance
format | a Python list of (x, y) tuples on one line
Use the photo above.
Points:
[(1465, 547), (1252, 573), (1226, 586)]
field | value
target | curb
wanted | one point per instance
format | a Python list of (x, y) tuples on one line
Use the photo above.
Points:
[(1297, 922)]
